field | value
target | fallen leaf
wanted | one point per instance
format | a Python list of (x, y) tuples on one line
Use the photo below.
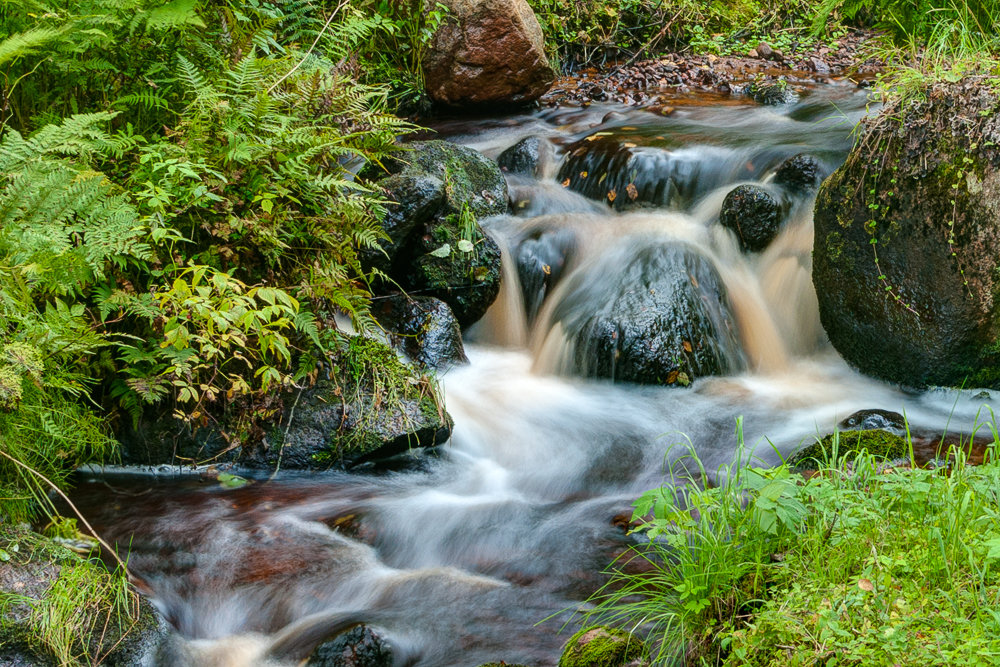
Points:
[(866, 585), (612, 194)]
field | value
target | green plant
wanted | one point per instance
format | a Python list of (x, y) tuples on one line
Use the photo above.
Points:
[(855, 564)]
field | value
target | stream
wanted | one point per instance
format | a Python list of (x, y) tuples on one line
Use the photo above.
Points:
[(480, 551)]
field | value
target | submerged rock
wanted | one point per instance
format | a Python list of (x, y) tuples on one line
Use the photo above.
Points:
[(653, 312), (627, 177), (905, 260), (541, 261), (754, 214), (604, 647), (358, 647), (422, 328), (487, 52)]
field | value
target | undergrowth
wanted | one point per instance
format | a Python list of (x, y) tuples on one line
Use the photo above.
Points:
[(855, 564)]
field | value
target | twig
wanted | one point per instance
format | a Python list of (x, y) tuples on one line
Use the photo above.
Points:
[(287, 74)]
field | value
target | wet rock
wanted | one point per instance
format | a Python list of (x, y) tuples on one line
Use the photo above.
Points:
[(604, 646), (770, 93), (354, 420), (460, 266), (800, 173), (627, 177), (926, 197), (413, 199), (879, 443), (541, 262), (358, 647), (446, 253), (487, 52), (469, 177), (866, 420), (754, 215), (649, 312), (422, 328), (527, 157)]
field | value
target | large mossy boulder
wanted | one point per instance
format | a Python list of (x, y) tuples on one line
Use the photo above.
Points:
[(649, 312), (358, 647), (905, 259), (604, 647), (438, 191), (369, 406), (487, 52)]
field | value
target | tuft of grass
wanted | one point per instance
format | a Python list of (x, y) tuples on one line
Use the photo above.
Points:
[(859, 564), (72, 611)]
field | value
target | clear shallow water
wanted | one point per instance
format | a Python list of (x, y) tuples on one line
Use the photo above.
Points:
[(464, 556)]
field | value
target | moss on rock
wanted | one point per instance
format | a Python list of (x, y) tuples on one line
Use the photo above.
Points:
[(876, 442), (603, 647)]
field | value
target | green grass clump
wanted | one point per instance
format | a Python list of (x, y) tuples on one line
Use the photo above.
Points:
[(854, 565), (66, 609)]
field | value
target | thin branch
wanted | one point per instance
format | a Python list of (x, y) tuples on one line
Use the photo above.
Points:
[(287, 74)]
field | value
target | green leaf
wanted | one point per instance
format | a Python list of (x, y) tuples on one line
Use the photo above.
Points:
[(443, 251), (230, 481)]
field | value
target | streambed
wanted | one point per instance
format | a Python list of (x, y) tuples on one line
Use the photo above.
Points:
[(474, 552)]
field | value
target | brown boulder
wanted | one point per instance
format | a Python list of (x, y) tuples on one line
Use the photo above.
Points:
[(487, 52)]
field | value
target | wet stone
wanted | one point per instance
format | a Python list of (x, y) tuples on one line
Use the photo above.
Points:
[(754, 215), (358, 647), (526, 158), (874, 419), (800, 173)]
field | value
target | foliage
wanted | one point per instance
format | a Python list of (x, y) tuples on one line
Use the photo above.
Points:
[(855, 563), (179, 220), (583, 32)]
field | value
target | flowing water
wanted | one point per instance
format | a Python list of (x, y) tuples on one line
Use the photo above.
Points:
[(474, 553)]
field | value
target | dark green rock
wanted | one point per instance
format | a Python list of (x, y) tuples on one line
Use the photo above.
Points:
[(604, 647), (770, 93), (413, 199), (924, 197), (649, 312)]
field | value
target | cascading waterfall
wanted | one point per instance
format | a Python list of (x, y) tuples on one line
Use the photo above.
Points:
[(459, 559)]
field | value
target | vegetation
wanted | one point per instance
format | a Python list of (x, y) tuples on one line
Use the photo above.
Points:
[(69, 610), (857, 564)]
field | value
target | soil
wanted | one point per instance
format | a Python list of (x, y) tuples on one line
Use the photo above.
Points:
[(670, 76)]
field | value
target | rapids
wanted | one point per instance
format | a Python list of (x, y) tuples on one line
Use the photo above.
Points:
[(480, 551)]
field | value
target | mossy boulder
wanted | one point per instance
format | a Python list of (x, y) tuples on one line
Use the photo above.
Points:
[(800, 173), (60, 604), (374, 406), (358, 647), (905, 260), (650, 312), (437, 247), (876, 442), (604, 647)]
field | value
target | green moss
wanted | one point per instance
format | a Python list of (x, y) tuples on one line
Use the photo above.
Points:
[(602, 647), (876, 442)]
